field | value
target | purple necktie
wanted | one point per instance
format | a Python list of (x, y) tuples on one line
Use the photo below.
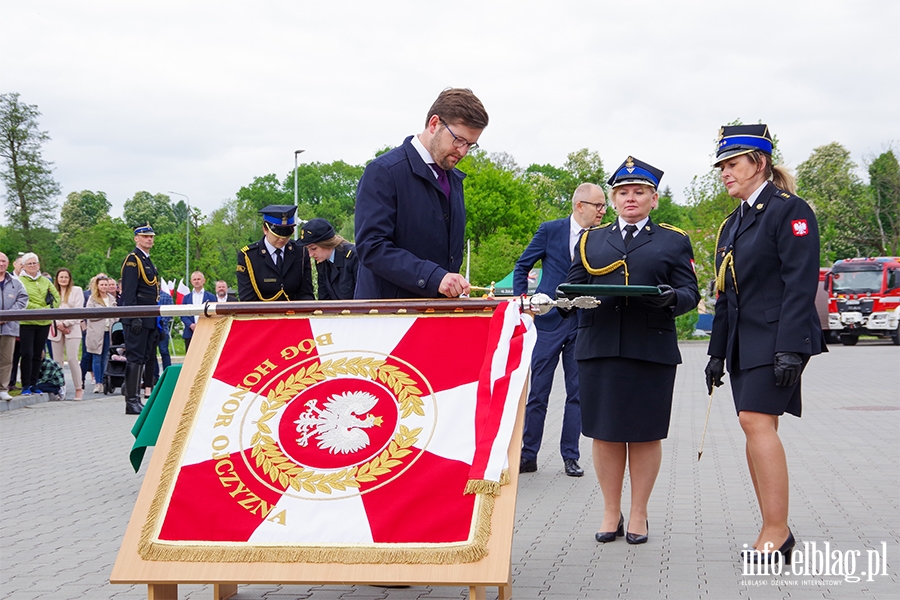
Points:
[(443, 181)]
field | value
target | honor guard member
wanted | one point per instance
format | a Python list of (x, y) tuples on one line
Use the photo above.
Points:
[(765, 328), (627, 348), (336, 260), (275, 268), (140, 287)]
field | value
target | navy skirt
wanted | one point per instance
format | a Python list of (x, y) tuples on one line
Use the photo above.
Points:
[(754, 390), (625, 400)]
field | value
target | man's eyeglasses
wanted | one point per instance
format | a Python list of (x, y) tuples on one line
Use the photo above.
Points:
[(459, 142), (600, 206)]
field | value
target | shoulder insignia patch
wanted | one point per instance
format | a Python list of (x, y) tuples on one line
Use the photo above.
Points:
[(130, 263), (240, 269), (673, 228), (245, 248), (784, 195)]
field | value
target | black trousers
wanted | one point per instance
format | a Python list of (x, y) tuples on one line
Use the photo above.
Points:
[(32, 339), (140, 346)]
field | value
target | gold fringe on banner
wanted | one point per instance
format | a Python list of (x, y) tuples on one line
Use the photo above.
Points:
[(170, 469), (486, 486), (436, 554), (483, 486)]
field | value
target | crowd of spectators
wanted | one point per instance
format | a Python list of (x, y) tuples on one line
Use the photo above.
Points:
[(32, 352)]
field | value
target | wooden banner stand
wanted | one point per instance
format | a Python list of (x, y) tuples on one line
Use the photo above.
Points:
[(162, 578)]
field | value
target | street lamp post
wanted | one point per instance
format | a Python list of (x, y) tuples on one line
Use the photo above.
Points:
[(296, 203), (187, 239)]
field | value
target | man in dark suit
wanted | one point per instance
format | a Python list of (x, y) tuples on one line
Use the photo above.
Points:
[(222, 293), (553, 245), (336, 260), (410, 214), (275, 268), (199, 296), (140, 287)]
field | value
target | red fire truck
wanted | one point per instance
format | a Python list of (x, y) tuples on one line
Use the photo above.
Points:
[(864, 298)]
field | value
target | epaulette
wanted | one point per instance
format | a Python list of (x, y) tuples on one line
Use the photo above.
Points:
[(673, 228), (349, 252), (600, 226), (245, 248)]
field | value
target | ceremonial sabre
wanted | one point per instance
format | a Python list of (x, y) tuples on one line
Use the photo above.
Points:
[(705, 425)]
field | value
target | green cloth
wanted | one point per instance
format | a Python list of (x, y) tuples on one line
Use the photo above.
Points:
[(149, 422)]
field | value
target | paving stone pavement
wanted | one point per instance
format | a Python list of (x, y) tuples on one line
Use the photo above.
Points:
[(68, 490)]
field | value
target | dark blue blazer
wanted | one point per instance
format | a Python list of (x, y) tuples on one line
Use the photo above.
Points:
[(207, 297), (770, 307), (404, 245), (623, 326), (550, 245)]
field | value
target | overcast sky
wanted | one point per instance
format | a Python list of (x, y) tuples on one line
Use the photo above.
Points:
[(200, 97)]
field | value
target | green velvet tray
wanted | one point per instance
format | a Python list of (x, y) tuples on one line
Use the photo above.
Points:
[(572, 290)]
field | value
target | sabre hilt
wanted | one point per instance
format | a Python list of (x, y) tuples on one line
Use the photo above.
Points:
[(542, 303)]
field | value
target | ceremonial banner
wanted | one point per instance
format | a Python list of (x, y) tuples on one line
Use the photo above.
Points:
[(348, 439)]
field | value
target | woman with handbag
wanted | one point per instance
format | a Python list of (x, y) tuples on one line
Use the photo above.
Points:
[(65, 336), (96, 341), (33, 334)]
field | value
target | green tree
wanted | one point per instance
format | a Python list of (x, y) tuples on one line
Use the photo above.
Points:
[(827, 180), (667, 211), (884, 188), (708, 206), (554, 186), (81, 210), (328, 191), (28, 178), (155, 209)]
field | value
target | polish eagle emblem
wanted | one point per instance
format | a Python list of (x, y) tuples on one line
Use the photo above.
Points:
[(338, 425)]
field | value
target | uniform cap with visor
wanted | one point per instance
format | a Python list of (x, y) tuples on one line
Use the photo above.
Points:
[(280, 218), (735, 140), (144, 229), (634, 171)]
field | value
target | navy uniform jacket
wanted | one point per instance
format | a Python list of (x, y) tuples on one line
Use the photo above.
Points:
[(550, 245), (405, 246), (259, 279), (140, 285), (769, 298), (337, 280), (624, 326)]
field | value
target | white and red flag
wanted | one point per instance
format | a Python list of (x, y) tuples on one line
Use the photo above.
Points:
[(180, 292), (344, 439)]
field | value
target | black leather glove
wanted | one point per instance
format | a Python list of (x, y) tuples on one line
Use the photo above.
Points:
[(666, 297), (715, 370), (136, 327), (788, 366)]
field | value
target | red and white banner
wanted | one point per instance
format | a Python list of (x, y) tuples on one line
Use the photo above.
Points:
[(358, 432)]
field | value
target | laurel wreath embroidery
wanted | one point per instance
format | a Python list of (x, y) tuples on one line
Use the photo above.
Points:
[(287, 473)]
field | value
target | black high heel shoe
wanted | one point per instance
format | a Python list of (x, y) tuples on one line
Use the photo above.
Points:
[(636, 538), (786, 549), (610, 536)]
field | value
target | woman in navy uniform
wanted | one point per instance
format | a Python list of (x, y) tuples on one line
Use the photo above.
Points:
[(140, 287), (275, 268), (336, 260), (765, 327), (627, 348)]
